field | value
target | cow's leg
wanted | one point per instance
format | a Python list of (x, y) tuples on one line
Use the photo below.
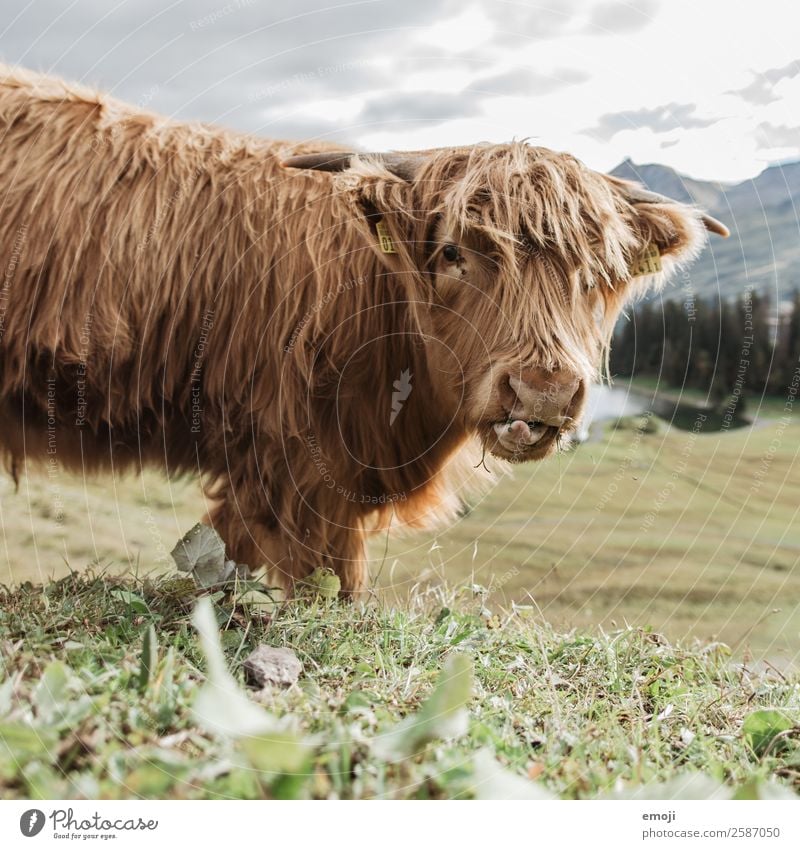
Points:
[(293, 545)]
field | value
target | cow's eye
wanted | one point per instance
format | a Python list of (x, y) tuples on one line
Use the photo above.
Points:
[(451, 253)]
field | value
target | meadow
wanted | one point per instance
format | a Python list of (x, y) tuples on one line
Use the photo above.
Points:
[(689, 533), (620, 622)]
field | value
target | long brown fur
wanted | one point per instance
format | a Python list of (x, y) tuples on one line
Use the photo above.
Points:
[(174, 297)]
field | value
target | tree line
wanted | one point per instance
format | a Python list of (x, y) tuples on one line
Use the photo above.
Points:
[(720, 347)]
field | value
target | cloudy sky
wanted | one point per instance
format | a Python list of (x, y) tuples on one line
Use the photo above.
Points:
[(710, 88)]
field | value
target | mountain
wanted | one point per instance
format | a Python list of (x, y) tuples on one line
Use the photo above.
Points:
[(663, 179), (772, 187), (763, 215)]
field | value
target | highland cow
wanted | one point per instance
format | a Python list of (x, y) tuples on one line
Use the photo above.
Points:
[(331, 340)]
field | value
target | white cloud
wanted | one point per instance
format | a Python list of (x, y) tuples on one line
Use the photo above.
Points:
[(465, 31)]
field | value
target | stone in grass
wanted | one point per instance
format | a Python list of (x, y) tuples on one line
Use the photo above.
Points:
[(268, 666)]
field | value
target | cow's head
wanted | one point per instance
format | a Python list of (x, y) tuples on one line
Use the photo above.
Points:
[(527, 257)]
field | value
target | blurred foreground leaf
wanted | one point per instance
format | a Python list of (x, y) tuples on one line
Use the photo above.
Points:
[(20, 744), (442, 716), (276, 751), (493, 781), (695, 785), (52, 693), (758, 789), (220, 705)]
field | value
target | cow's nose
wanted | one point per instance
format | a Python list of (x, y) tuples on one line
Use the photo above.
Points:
[(545, 396)]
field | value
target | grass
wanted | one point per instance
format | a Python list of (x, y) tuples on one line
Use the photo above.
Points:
[(91, 706), (688, 534), (55, 522)]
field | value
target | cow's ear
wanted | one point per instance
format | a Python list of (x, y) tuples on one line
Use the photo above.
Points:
[(666, 230), (638, 195), (667, 233)]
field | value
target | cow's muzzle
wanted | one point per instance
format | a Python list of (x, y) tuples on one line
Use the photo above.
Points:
[(540, 404)]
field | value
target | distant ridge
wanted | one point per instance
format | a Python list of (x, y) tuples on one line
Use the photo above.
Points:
[(763, 215), (662, 178)]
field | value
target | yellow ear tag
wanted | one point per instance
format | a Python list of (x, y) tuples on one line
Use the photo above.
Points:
[(648, 262), (384, 239)]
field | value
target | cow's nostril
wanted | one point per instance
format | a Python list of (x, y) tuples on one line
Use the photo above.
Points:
[(508, 397)]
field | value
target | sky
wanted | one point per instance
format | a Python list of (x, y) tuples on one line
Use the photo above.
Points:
[(711, 88)]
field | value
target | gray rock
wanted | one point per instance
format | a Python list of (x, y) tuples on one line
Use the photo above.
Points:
[(268, 665)]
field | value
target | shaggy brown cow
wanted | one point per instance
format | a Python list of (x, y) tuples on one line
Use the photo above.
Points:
[(329, 340)]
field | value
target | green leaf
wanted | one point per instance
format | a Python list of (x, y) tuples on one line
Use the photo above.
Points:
[(201, 552), (443, 716), (149, 657), (151, 779), (761, 727), (133, 601), (357, 700), (42, 781), (322, 582), (220, 706), (289, 786)]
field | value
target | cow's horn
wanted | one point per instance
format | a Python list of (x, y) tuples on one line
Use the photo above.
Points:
[(401, 165), (638, 194)]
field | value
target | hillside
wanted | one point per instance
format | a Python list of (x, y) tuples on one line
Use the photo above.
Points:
[(762, 215)]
